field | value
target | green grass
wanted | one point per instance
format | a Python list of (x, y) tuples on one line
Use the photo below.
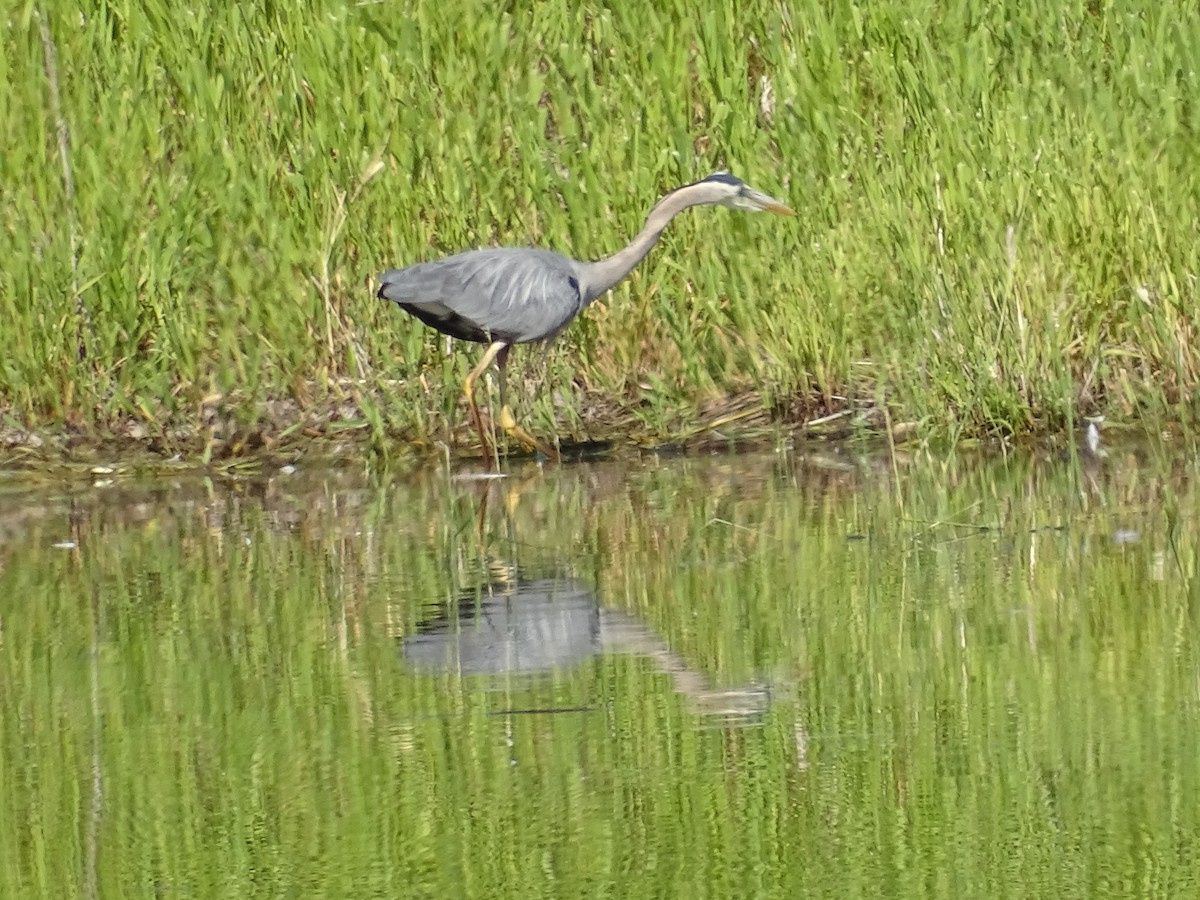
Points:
[(998, 224)]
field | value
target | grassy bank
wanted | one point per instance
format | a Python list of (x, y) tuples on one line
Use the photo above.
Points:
[(998, 222)]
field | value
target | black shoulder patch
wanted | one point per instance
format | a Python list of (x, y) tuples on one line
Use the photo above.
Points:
[(573, 282)]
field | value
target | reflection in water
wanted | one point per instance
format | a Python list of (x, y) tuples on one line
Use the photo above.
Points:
[(547, 624), (983, 680), (532, 626)]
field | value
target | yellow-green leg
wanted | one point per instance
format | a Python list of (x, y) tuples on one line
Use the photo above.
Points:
[(509, 422), (489, 356)]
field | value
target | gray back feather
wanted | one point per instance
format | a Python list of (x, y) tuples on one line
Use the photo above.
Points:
[(512, 294)]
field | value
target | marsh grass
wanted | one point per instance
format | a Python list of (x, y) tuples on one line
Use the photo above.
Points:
[(997, 230)]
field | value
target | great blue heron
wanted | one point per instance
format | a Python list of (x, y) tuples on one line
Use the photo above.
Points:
[(518, 295)]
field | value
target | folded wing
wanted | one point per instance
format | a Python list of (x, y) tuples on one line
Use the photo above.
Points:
[(511, 295)]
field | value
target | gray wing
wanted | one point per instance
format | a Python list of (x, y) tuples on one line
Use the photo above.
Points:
[(513, 295)]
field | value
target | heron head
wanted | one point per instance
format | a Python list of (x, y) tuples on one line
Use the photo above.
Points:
[(739, 195)]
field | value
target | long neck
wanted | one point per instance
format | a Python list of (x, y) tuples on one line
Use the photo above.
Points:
[(604, 274)]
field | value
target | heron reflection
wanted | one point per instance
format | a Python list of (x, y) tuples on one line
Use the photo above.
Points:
[(543, 625)]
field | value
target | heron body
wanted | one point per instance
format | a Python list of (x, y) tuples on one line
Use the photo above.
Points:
[(507, 296), (515, 295)]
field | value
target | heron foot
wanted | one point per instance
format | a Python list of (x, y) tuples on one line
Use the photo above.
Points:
[(509, 423)]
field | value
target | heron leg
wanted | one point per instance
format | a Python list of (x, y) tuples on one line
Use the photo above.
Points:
[(502, 365), (509, 422), (495, 348)]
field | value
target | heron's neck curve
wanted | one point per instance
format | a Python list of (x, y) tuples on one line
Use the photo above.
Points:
[(603, 275)]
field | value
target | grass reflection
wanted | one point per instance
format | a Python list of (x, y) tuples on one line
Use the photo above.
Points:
[(973, 679)]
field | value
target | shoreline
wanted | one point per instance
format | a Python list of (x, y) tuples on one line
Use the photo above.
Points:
[(284, 432), (283, 429)]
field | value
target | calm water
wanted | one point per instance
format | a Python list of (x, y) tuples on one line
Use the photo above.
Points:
[(763, 676)]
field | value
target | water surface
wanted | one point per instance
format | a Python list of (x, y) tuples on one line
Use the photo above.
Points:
[(750, 676)]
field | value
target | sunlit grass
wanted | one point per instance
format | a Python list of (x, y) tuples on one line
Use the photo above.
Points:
[(997, 230)]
